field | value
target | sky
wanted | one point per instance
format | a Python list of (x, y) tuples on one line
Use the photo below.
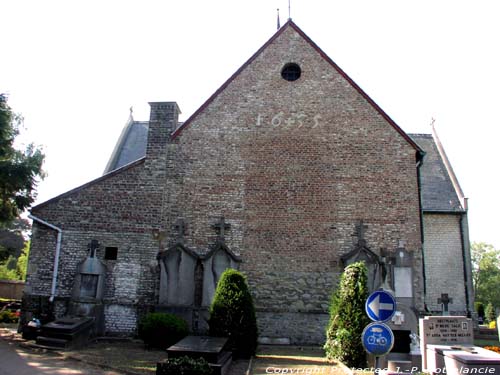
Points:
[(74, 68)]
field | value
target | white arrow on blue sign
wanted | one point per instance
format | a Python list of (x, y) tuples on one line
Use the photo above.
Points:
[(380, 306), (378, 339)]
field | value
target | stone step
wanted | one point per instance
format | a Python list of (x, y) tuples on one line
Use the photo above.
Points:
[(52, 342), (399, 366)]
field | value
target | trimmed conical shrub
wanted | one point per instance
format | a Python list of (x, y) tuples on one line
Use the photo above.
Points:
[(348, 318), (232, 314)]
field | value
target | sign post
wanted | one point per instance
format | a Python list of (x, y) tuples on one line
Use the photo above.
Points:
[(377, 337)]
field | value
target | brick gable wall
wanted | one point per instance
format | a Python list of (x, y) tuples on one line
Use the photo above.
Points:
[(292, 166)]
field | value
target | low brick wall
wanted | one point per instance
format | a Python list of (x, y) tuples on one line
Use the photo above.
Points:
[(11, 289)]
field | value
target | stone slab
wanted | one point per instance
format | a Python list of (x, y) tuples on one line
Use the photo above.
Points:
[(209, 348), (476, 360)]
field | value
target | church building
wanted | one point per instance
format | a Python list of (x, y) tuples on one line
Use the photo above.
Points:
[(288, 172)]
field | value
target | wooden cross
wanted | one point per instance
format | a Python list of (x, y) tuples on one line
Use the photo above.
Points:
[(360, 233), (221, 226), (445, 300), (93, 246)]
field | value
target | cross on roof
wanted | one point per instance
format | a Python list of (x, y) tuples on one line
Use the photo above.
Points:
[(93, 246), (221, 226), (360, 233), (180, 227)]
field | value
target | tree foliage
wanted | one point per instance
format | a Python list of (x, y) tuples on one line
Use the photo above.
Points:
[(20, 170), (348, 318), (232, 314), (490, 313), (486, 273)]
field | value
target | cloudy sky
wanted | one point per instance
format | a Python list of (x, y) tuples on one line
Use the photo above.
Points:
[(74, 68)]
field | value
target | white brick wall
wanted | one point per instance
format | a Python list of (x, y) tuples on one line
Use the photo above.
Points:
[(444, 264)]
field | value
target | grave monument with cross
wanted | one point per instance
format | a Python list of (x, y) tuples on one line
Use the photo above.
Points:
[(444, 301), (221, 227)]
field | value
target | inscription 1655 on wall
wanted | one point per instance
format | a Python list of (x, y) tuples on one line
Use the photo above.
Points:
[(289, 121)]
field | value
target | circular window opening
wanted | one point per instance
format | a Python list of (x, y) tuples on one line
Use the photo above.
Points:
[(291, 72)]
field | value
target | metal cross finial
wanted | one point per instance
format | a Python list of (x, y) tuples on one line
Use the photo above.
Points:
[(221, 226), (93, 246), (289, 13)]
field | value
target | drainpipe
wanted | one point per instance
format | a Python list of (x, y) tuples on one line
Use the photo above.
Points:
[(56, 256)]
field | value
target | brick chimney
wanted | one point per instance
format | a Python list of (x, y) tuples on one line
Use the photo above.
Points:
[(163, 120)]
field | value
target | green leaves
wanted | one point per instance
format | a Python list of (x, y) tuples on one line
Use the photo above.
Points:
[(486, 273), (232, 313), (20, 170), (348, 318), (161, 330)]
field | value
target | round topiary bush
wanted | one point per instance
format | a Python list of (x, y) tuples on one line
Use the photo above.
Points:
[(348, 318), (161, 330), (232, 314)]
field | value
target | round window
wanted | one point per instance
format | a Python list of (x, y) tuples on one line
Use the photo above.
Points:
[(291, 72)]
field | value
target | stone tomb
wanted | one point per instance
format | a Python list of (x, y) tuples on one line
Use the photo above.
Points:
[(448, 347), (441, 332), (212, 349)]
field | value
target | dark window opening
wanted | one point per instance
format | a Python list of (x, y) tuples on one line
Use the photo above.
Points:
[(111, 253), (291, 72)]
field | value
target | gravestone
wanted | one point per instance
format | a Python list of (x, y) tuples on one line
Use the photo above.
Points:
[(498, 327), (437, 333), (85, 317), (211, 349), (88, 290), (188, 279)]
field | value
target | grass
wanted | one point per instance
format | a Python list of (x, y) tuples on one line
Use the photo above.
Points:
[(127, 356)]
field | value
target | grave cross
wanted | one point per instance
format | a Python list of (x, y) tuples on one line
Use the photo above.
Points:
[(221, 226), (444, 301), (93, 246), (180, 227), (360, 233)]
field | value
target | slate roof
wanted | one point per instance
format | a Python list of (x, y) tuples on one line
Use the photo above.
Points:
[(439, 193), (131, 145)]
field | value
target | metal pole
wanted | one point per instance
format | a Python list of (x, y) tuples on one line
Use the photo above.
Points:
[(377, 364)]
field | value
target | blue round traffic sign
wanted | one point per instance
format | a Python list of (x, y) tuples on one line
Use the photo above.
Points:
[(380, 306), (378, 339)]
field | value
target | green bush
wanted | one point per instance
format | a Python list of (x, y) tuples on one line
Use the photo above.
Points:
[(161, 330), (490, 314), (232, 314), (184, 366), (348, 318)]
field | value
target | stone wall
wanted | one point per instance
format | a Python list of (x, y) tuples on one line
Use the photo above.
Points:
[(11, 289), (444, 262)]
